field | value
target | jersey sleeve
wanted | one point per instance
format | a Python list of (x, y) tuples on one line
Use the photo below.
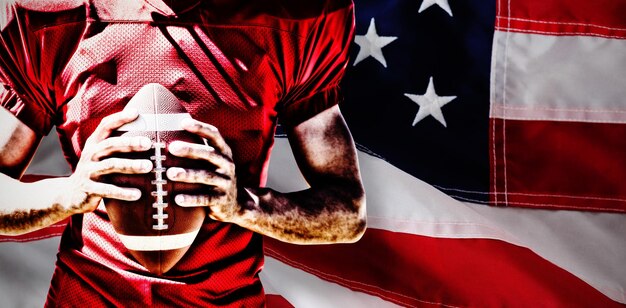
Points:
[(33, 50), (324, 58)]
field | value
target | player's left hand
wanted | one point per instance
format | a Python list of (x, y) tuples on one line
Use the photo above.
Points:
[(222, 200)]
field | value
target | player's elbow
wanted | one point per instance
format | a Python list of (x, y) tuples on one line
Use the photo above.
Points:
[(356, 231), (357, 224), (343, 221)]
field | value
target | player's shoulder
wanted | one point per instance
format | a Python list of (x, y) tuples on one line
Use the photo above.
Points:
[(42, 6), (307, 9), (44, 12), (297, 17)]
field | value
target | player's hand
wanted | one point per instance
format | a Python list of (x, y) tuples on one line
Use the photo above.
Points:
[(222, 199), (85, 192)]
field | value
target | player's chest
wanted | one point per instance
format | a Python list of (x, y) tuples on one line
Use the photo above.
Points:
[(208, 68), (225, 78)]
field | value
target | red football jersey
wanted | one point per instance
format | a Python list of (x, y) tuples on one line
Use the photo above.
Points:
[(239, 65)]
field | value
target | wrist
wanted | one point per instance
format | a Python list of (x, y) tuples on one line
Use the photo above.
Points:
[(59, 193), (248, 203)]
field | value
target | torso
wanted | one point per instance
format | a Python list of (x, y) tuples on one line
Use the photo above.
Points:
[(232, 63)]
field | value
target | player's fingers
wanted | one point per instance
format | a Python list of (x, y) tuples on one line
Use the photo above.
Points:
[(197, 176), (113, 122), (120, 165), (111, 191), (203, 152), (120, 145), (210, 132), (195, 200), (190, 150)]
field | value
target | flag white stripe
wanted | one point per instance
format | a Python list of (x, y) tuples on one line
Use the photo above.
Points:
[(589, 245), (305, 290), (25, 272), (533, 79)]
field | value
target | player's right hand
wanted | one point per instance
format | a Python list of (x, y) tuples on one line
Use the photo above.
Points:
[(85, 191)]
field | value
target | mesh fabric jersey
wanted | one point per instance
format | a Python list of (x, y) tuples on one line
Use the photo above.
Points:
[(239, 65)]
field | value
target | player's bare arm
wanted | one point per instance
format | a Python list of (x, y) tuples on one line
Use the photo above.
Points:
[(332, 210), (27, 207)]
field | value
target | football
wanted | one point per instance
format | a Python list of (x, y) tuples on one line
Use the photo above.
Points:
[(155, 230)]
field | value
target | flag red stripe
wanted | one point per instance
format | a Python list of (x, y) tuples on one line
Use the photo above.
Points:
[(565, 17), (574, 165), (415, 270), (277, 301), (52, 231)]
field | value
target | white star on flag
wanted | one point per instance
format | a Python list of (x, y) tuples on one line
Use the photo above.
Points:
[(430, 104), (441, 3), (371, 45)]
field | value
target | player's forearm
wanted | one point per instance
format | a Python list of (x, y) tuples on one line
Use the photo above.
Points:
[(26, 207), (334, 213)]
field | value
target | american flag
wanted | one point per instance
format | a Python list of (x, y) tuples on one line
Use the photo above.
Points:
[(492, 151), (492, 148)]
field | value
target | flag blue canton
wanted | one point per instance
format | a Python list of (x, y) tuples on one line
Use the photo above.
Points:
[(455, 51)]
